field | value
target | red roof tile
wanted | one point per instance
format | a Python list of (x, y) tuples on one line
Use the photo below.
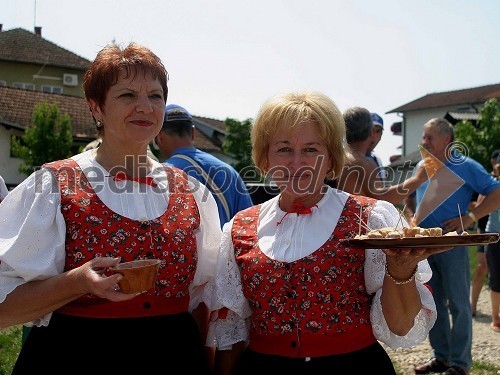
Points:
[(17, 105), (204, 143), (476, 95), (16, 108), (217, 124), (20, 45)]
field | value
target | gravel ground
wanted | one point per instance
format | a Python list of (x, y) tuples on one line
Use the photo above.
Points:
[(485, 343)]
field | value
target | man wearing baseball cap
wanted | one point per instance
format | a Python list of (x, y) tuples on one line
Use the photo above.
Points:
[(175, 142), (377, 131)]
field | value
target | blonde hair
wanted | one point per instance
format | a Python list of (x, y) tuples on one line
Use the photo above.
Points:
[(289, 111)]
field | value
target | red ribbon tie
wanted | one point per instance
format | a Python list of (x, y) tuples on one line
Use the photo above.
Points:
[(299, 209), (142, 180)]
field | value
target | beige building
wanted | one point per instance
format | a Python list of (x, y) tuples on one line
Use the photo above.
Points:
[(454, 106), (35, 70)]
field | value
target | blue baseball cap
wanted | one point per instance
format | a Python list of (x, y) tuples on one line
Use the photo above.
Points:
[(377, 120), (174, 112)]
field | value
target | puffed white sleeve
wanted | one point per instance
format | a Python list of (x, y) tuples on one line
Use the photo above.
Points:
[(208, 237), (384, 214), (32, 235), (225, 299)]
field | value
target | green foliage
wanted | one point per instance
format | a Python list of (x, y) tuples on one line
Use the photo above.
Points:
[(483, 138), (10, 345), (483, 368), (49, 138), (237, 142)]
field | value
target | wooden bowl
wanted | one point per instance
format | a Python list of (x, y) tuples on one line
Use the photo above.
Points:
[(138, 275)]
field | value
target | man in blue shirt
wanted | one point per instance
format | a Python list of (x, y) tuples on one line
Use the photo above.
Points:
[(377, 131), (175, 141), (447, 193)]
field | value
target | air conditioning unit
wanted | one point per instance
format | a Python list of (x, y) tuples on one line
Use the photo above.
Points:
[(70, 79)]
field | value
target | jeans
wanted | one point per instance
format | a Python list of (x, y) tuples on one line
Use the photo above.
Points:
[(450, 283)]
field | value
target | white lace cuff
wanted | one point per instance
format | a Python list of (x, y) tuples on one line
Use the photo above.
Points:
[(223, 333), (226, 291), (424, 321)]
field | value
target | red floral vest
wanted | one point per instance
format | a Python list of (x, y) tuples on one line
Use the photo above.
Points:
[(93, 230), (311, 307)]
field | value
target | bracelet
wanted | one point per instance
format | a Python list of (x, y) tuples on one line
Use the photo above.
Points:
[(400, 282), (472, 216)]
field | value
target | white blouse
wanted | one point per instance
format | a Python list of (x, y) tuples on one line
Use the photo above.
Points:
[(296, 237), (33, 230)]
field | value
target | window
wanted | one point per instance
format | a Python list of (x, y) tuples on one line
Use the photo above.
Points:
[(24, 85), (52, 89)]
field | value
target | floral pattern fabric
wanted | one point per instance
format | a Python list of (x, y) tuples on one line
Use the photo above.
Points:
[(93, 230), (323, 292)]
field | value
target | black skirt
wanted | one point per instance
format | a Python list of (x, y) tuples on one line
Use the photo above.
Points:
[(75, 345), (370, 360)]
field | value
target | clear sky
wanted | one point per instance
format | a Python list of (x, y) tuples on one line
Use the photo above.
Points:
[(226, 57)]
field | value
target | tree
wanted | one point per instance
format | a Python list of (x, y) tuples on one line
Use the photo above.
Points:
[(237, 142), (484, 137), (49, 138)]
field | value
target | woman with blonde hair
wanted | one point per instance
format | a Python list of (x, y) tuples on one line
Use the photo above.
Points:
[(288, 295)]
